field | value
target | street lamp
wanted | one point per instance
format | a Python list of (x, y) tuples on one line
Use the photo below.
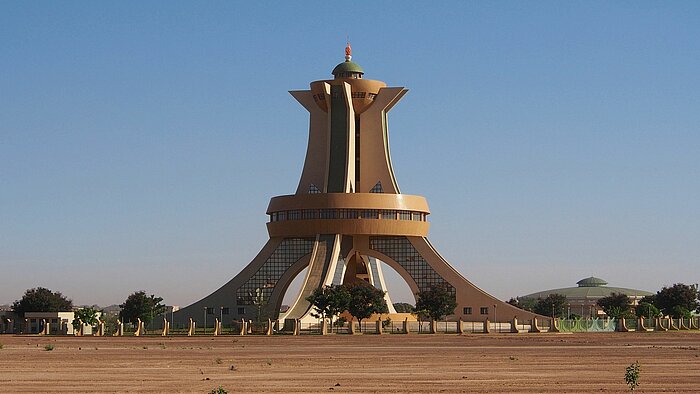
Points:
[(495, 320), (205, 320)]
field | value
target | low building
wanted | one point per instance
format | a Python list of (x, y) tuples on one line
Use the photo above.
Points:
[(7, 321), (583, 299), (59, 322)]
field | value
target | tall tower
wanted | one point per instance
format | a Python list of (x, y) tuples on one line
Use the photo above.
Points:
[(346, 216)]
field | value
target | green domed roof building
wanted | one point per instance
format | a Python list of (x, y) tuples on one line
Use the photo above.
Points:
[(583, 299)]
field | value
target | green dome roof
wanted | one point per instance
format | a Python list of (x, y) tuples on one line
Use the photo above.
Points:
[(591, 282), (347, 67)]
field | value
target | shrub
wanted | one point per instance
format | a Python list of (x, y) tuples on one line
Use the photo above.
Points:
[(218, 390), (48, 347), (632, 375)]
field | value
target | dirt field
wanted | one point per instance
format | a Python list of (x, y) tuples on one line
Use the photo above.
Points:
[(515, 363)]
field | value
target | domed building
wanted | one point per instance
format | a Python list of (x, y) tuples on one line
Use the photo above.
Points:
[(583, 299)]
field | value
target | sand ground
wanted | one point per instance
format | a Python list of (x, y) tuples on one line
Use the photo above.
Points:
[(494, 363)]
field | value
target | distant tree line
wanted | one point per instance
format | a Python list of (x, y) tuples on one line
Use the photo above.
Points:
[(677, 301)]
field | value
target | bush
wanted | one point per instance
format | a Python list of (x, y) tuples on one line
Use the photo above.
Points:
[(632, 375), (218, 390), (48, 347)]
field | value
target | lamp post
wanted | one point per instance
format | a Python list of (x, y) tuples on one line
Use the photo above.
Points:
[(495, 320), (221, 317), (205, 320)]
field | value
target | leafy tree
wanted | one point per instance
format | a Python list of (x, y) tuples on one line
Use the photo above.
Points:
[(141, 306), (329, 301), (41, 299), (677, 298), (87, 315), (366, 300), (650, 299), (404, 307), (679, 312), (437, 301), (527, 304), (646, 309), (617, 305), (553, 305)]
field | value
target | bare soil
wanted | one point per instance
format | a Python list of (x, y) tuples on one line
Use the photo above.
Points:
[(493, 363)]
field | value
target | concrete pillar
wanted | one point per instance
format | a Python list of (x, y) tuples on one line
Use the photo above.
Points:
[(379, 325), (243, 327), (27, 327), (433, 326), (659, 325), (119, 331), (406, 330), (514, 325), (137, 333), (192, 327), (671, 324), (534, 327), (165, 327), (297, 323), (43, 331), (216, 327), (100, 329), (622, 325), (324, 327), (269, 327), (554, 326), (78, 332), (487, 326), (352, 327)]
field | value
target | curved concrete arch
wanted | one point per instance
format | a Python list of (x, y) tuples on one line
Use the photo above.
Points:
[(396, 267), (277, 296)]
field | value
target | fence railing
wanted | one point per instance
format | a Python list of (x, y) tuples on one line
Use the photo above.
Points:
[(421, 327)]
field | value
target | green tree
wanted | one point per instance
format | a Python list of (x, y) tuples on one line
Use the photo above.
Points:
[(141, 306), (404, 307), (366, 300), (527, 304), (87, 315), (648, 310), (329, 301), (41, 299), (676, 299), (437, 302), (553, 305), (617, 305)]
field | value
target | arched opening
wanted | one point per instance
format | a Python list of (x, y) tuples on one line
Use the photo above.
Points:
[(293, 289), (396, 286)]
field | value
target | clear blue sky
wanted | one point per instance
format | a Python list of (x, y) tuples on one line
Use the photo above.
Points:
[(140, 142)]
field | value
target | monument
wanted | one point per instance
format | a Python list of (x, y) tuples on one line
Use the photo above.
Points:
[(347, 215)]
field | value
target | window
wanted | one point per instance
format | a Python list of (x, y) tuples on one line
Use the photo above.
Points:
[(484, 310), (294, 215), (370, 214), (358, 94), (372, 96), (404, 215), (467, 310), (210, 310), (313, 189), (377, 188), (328, 213), (309, 214), (224, 311), (417, 216), (241, 311), (389, 214)]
